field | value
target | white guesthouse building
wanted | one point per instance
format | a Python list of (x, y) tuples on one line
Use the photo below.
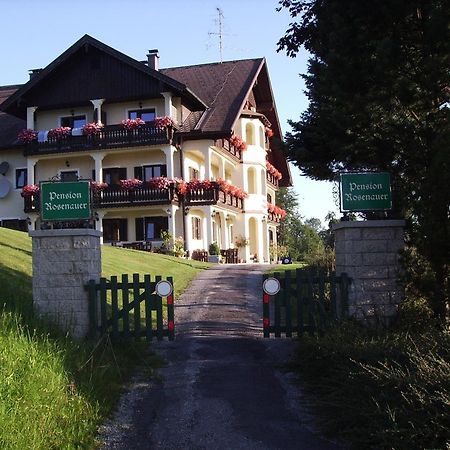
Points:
[(195, 150)]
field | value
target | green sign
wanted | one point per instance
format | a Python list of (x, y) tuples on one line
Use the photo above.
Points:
[(65, 200), (368, 191)]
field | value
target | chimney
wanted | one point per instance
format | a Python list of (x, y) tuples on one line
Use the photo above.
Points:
[(34, 72), (153, 59)]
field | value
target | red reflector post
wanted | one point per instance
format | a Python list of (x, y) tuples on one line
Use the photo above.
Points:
[(265, 298), (266, 323), (170, 300), (170, 325)]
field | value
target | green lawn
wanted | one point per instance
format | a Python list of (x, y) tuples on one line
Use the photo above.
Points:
[(54, 392)]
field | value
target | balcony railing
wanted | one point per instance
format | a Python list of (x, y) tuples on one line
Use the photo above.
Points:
[(272, 179), (111, 136), (231, 149), (199, 197), (116, 197), (272, 217)]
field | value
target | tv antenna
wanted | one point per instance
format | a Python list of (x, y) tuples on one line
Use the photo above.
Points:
[(220, 32)]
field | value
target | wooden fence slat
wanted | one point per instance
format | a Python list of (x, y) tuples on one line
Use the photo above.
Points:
[(148, 290), (170, 312), (287, 303), (300, 302), (103, 305), (114, 308), (277, 312), (310, 302), (137, 307), (93, 319), (159, 313), (125, 306), (266, 311)]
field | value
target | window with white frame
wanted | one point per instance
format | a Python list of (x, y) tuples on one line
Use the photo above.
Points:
[(196, 228)]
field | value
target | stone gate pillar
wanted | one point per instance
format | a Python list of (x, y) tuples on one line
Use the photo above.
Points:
[(63, 262), (369, 253)]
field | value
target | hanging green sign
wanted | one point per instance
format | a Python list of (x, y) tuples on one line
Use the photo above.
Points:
[(65, 200), (368, 191)]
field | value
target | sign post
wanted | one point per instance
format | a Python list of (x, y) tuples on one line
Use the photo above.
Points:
[(370, 191), (65, 201)]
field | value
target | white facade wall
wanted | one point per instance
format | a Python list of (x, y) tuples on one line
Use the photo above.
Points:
[(11, 205)]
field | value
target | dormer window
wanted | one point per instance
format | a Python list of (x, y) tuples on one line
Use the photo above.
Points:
[(147, 115), (73, 121)]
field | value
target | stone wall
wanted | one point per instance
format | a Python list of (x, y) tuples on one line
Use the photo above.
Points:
[(63, 262), (369, 253)]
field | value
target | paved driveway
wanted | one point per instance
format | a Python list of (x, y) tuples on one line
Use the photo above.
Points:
[(222, 387)]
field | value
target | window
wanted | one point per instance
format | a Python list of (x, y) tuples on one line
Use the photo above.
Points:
[(145, 173), (114, 175), (148, 228), (73, 121), (269, 198), (196, 228), (115, 230), (21, 178), (147, 115), (194, 174), (69, 175)]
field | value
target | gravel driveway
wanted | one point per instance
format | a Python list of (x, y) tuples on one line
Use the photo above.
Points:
[(222, 387)]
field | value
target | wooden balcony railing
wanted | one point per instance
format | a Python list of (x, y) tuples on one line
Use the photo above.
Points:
[(116, 197), (271, 179), (272, 217), (227, 147), (198, 197), (111, 136)]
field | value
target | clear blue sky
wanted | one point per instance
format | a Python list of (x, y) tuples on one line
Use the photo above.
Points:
[(34, 33)]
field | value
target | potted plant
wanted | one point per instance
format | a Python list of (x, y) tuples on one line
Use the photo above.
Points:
[(240, 242), (214, 253)]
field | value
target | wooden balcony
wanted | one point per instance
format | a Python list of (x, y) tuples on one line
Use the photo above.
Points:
[(272, 180), (201, 197), (116, 197), (225, 145), (112, 136), (272, 217)]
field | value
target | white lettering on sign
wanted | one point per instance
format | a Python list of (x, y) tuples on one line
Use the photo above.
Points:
[(65, 206), (354, 197), (64, 196), (364, 187)]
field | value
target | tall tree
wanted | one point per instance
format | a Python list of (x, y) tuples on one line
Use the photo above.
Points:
[(378, 84)]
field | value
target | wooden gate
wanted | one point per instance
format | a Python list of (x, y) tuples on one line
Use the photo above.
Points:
[(307, 301), (132, 309)]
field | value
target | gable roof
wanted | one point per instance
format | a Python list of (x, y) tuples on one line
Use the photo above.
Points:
[(43, 79), (223, 86)]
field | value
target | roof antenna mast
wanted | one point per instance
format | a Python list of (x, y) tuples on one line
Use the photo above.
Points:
[(220, 32)]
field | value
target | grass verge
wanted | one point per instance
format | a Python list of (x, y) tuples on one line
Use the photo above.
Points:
[(54, 392), (379, 389)]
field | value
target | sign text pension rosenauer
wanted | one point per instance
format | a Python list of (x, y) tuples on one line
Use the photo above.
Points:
[(65, 200), (365, 191)]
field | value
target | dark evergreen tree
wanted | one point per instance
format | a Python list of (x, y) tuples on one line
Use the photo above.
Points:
[(378, 84)]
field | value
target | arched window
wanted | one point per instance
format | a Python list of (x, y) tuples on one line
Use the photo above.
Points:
[(250, 134), (262, 137), (251, 177)]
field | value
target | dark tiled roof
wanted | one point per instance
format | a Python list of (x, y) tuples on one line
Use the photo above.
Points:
[(9, 125), (222, 86)]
